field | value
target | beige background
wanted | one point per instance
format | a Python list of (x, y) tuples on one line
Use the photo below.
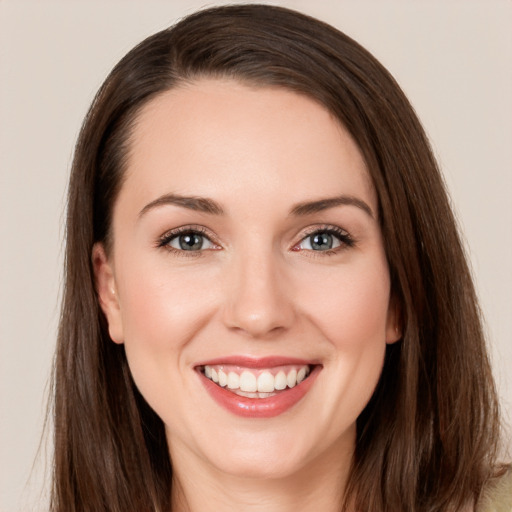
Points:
[(453, 58)]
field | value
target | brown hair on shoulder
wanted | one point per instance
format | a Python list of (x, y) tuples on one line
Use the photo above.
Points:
[(428, 438)]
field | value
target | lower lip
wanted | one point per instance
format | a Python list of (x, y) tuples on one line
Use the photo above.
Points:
[(260, 407)]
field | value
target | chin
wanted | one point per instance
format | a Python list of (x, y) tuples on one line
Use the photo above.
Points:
[(248, 465), (263, 455)]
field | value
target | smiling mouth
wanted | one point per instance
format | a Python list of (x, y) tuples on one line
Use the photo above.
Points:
[(256, 383), (258, 387)]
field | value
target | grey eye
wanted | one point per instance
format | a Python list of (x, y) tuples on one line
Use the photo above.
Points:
[(320, 241), (190, 242)]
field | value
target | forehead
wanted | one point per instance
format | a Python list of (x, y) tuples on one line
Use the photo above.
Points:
[(212, 132)]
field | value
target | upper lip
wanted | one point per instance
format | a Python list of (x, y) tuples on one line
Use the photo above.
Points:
[(256, 362)]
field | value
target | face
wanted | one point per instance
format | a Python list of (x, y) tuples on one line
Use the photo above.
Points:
[(247, 251)]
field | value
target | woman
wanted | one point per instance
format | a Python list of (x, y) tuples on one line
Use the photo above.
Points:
[(267, 304)]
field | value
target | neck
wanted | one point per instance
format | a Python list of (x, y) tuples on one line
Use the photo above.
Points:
[(319, 485)]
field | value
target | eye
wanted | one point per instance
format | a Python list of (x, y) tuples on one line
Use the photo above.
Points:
[(189, 240), (323, 240)]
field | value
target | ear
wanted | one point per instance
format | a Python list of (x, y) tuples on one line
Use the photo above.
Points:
[(394, 322), (107, 292)]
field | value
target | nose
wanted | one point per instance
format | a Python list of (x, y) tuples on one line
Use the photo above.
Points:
[(258, 296)]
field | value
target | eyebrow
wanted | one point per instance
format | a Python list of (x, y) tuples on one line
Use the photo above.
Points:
[(206, 205), (310, 207), (198, 204)]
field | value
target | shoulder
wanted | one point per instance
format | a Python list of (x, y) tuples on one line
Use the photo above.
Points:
[(497, 494)]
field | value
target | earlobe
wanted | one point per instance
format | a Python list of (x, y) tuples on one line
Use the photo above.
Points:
[(107, 292), (394, 323)]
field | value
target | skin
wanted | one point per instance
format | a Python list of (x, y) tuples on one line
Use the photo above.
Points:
[(257, 289)]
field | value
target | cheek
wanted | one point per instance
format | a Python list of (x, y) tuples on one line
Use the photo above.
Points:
[(351, 306), (162, 310), (161, 304), (351, 312)]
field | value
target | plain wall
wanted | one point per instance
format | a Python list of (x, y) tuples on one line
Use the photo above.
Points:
[(452, 58)]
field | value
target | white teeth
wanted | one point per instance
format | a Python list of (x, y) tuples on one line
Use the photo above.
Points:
[(280, 381), (259, 384), (291, 378), (223, 378), (266, 382), (253, 395), (233, 380), (248, 382)]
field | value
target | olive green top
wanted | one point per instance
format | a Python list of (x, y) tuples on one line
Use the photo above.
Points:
[(497, 496)]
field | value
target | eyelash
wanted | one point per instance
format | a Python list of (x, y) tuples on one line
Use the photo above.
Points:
[(345, 239)]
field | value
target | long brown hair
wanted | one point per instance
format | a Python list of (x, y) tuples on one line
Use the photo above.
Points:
[(427, 440)]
